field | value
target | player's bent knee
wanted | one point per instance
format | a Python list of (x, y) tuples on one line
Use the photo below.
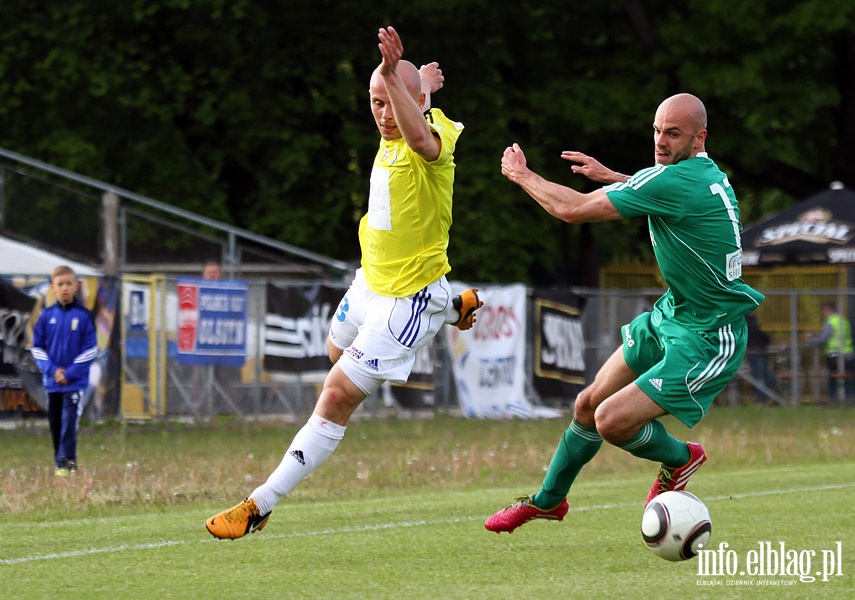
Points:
[(584, 409), (337, 403), (609, 433), (611, 427)]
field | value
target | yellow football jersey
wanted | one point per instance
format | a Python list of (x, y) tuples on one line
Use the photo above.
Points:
[(404, 234)]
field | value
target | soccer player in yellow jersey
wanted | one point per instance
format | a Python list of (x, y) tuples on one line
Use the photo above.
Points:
[(399, 298)]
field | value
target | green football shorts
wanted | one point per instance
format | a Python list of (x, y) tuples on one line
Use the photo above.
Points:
[(680, 369)]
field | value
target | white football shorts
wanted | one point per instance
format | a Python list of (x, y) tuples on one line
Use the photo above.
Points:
[(380, 335)]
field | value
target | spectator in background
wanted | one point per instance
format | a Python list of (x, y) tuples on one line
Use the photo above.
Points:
[(758, 360), (64, 346), (212, 270), (836, 339)]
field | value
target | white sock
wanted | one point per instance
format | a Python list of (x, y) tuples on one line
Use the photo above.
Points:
[(312, 445)]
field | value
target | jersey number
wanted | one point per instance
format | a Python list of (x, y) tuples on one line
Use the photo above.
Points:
[(733, 261)]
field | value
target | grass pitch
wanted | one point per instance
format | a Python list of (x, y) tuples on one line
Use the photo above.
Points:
[(398, 512)]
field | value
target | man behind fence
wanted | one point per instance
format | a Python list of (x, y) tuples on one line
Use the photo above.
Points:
[(835, 338)]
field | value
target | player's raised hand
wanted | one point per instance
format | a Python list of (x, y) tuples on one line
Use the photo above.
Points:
[(391, 49), (589, 167), (432, 77)]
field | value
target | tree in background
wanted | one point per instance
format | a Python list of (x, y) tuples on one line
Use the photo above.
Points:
[(253, 112)]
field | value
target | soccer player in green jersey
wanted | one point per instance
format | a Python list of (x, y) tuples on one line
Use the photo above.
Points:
[(678, 357), (400, 297)]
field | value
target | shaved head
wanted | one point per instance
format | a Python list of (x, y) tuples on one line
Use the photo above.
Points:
[(409, 74), (686, 107), (381, 104)]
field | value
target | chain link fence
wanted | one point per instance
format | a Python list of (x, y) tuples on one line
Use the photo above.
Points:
[(155, 385)]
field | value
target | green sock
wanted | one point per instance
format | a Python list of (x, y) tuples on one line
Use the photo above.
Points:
[(653, 442), (578, 445)]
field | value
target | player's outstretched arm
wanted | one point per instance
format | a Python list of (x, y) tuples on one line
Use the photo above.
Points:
[(592, 168), (559, 201)]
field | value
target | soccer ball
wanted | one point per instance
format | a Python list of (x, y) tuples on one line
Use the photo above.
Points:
[(675, 525)]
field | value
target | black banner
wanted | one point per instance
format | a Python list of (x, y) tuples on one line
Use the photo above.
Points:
[(20, 381), (296, 327), (559, 345)]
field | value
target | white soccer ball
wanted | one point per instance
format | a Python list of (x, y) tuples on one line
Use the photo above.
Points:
[(675, 525)]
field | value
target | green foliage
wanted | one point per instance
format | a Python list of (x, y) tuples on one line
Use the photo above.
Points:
[(256, 113)]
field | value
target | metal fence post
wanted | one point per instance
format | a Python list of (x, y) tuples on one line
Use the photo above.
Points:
[(795, 366), (110, 227)]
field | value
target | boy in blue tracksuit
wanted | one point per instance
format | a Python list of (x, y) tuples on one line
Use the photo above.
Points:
[(64, 346)]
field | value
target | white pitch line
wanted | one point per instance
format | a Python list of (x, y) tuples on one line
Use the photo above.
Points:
[(379, 527), (87, 552)]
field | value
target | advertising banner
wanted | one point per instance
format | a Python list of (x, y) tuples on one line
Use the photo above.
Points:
[(136, 335), (559, 345), (20, 380), (296, 327), (488, 361), (212, 322)]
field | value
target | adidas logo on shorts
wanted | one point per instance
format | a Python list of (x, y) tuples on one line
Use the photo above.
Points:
[(657, 383), (373, 364)]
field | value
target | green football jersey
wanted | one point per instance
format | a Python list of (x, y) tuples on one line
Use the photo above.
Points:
[(694, 225)]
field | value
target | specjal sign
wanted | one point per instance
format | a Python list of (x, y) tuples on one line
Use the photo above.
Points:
[(815, 225)]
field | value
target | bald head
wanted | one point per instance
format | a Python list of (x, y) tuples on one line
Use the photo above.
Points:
[(381, 102), (686, 106), (679, 129), (409, 74)]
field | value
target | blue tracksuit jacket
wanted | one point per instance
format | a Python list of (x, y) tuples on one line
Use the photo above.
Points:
[(64, 336)]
